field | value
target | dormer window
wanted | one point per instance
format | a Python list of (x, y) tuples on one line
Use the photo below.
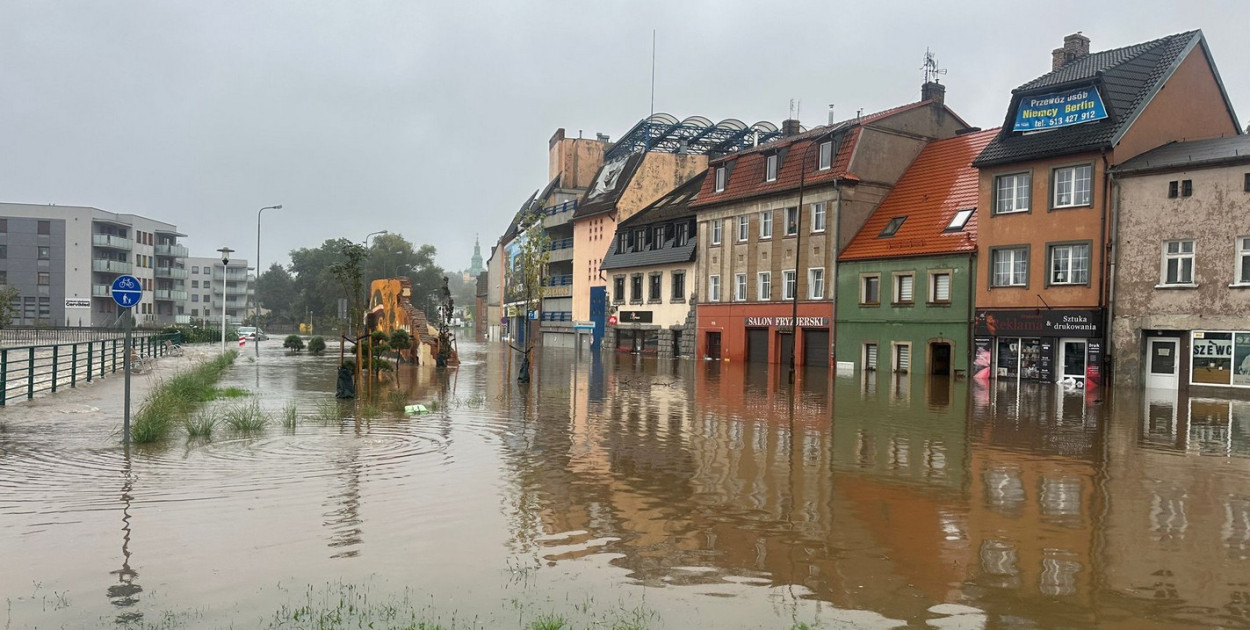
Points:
[(892, 227), (770, 168), (826, 155), (721, 177), (960, 220)]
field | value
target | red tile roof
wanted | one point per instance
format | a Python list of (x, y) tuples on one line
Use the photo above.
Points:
[(940, 182), (746, 178)]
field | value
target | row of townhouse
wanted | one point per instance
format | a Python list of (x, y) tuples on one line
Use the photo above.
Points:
[(1104, 226), (62, 260)]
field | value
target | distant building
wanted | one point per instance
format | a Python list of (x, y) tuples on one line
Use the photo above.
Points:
[(205, 282), (63, 261), (1044, 230), (1181, 297), (475, 267)]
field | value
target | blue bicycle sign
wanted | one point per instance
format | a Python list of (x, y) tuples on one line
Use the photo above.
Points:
[(127, 291)]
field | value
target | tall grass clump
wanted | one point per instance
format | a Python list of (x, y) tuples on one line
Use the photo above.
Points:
[(396, 400), (172, 400), (290, 414), (200, 424), (328, 413), (246, 417)]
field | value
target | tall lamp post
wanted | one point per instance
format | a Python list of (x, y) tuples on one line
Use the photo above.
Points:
[(798, 244), (371, 235), (225, 266), (258, 270)]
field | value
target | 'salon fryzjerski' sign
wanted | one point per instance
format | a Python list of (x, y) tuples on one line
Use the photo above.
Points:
[(1059, 109), (785, 321)]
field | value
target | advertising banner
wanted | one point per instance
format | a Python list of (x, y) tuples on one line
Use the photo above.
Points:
[(1059, 109)]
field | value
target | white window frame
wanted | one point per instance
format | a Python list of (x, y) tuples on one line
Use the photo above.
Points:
[(872, 356), (959, 220), (1241, 247), (764, 285), (1180, 256), (818, 217), (713, 288), (792, 211), (744, 228), (721, 179), (863, 289), (1052, 274), (934, 285), (826, 155), (905, 280), (901, 361), (1020, 189), (1016, 254), (1067, 181), (789, 284), (717, 228), (766, 224), (816, 283), (740, 287), (770, 167)]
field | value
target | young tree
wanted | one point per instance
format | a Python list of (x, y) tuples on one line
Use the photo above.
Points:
[(347, 271), (8, 305), (527, 267)]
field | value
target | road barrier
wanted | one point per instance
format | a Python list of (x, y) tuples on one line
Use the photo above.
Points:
[(27, 370)]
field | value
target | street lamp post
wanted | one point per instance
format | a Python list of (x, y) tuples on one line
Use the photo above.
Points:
[(798, 243), (225, 265), (258, 269), (371, 235)]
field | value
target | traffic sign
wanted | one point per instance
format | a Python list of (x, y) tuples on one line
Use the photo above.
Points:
[(127, 291)]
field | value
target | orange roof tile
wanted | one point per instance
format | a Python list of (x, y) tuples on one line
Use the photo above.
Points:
[(940, 182)]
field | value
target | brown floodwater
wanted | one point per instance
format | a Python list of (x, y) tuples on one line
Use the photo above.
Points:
[(627, 489)]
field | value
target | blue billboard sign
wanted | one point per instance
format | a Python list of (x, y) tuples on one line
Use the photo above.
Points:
[(1059, 109)]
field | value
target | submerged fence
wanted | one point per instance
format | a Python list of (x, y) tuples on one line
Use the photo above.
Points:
[(28, 370)]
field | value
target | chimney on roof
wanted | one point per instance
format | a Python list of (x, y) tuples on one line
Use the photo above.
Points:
[(789, 127), (1075, 46), (556, 137), (933, 91), (602, 137)]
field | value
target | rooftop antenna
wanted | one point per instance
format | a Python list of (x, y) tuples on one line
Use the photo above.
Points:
[(932, 72), (791, 109)]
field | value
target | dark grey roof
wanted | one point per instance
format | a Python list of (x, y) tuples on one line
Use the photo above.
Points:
[(1127, 78), (1195, 153), (671, 207), (515, 226), (648, 258)]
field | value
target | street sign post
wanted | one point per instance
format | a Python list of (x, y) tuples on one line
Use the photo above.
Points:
[(127, 291)]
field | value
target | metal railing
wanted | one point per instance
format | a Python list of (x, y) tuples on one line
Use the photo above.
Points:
[(558, 281), (28, 370), (560, 243), (557, 316)]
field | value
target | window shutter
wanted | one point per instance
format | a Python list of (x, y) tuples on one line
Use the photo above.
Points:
[(942, 287), (905, 288), (904, 359), (870, 356)]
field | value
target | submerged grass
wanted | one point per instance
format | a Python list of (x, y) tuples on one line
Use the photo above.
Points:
[(173, 399), (246, 417), (396, 401), (200, 424), (230, 392), (290, 414), (328, 413)]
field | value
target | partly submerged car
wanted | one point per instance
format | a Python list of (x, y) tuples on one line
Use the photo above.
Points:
[(252, 333)]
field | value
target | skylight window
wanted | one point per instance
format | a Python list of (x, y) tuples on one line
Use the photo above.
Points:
[(960, 220), (892, 227)]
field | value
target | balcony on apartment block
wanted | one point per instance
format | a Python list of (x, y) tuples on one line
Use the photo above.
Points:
[(110, 266), (175, 251), (561, 250), (558, 286), (171, 273), (100, 290), (170, 295), (114, 242), (559, 214)]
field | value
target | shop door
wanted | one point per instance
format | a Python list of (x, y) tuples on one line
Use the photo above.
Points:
[(816, 347), (787, 348), (1161, 363), (713, 346), (1072, 353), (940, 358), (757, 345)]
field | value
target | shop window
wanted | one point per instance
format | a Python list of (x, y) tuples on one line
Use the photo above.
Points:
[(826, 155), (816, 283), (654, 287), (713, 288), (1178, 262), (1071, 186), (1009, 267), (635, 289), (1011, 193), (765, 286), (1243, 260), (716, 231), (870, 290), (1220, 358), (789, 282), (766, 224), (740, 287), (904, 289), (744, 227), (1019, 358), (1069, 264), (939, 287), (678, 281), (818, 217)]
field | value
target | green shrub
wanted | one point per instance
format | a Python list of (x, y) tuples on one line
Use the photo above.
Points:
[(317, 345), (293, 342)]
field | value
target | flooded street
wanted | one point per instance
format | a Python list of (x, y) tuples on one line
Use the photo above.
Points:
[(631, 490)]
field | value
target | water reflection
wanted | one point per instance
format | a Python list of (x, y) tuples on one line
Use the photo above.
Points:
[(125, 593)]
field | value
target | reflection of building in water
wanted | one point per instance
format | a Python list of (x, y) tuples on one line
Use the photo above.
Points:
[(1178, 510)]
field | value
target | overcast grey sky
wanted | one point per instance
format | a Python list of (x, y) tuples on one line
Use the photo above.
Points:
[(432, 119)]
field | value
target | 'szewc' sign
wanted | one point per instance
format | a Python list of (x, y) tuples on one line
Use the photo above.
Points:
[(809, 322), (1059, 109)]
